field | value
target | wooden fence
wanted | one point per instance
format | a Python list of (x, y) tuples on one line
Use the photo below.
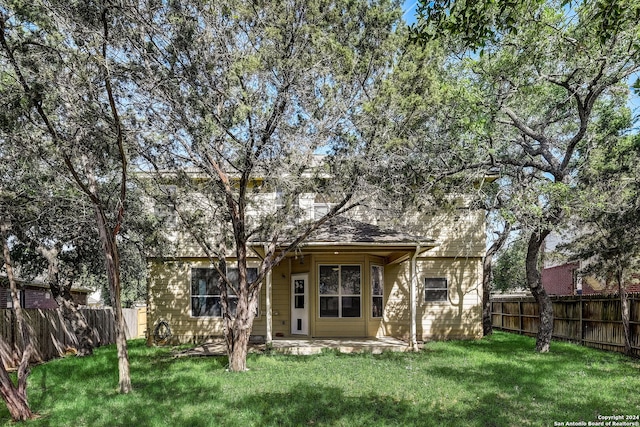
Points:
[(53, 336), (136, 321), (593, 320)]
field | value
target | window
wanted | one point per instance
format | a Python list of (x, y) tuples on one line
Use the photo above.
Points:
[(205, 291), (339, 290), (164, 206), (435, 289), (321, 206), (377, 290), (9, 298)]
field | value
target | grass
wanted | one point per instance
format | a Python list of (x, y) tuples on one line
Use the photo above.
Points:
[(496, 381)]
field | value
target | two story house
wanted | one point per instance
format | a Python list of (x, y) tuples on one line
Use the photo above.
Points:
[(354, 277)]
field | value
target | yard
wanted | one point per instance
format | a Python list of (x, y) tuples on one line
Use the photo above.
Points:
[(497, 381)]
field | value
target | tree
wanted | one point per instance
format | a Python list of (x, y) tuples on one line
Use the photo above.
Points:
[(608, 230), (60, 54), (247, 95), (509, 271), (15, 396), (543, 78)]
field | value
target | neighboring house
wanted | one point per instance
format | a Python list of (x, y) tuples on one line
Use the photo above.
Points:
[(565, 279), (35, 294), (561, 279), (351, 278)]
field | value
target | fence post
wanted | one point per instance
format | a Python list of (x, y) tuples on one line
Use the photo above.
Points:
[(580, 323), (521, 321)]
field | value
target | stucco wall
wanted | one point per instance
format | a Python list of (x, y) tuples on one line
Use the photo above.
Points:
[(458, 317)]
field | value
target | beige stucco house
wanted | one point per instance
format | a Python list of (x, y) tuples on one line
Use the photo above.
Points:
[(350, 280)]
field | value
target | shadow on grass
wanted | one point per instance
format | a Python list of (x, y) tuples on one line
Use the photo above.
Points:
[(323, 405), (491, 382)]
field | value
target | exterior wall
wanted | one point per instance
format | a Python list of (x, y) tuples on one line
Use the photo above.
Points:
[(460, 238), (37, 297), (459, 317), (559, 280), (457, 233), (169, 299)]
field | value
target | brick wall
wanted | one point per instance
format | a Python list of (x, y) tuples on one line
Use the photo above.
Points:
[(559, 280)]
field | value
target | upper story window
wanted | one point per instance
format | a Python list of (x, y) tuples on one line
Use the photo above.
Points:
[(435, 289), (340, 290), (205, 291), (163, 207), (321, 206)]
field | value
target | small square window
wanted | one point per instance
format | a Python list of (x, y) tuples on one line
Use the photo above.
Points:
[(435, 289)]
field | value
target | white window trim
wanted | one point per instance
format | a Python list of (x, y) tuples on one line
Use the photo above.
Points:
[(339, 294), (373, 296), (445, 288), (191, 296)]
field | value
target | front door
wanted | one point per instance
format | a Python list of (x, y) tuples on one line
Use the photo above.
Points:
[(300, 304)]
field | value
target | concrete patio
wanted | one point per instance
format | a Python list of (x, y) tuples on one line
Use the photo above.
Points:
[(297, 346)]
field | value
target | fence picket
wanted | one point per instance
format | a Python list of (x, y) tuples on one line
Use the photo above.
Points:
[(53, 336), (594, 320)]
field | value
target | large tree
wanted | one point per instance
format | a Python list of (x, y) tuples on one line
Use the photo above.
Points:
[(247, 95), (61, 56), (11, 207), (544, 70), (607, 229)]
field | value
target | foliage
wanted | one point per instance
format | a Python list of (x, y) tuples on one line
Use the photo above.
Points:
[(479, 23), (509, 268), (547, 85), (498, 380), (242, 101), (607, 236)]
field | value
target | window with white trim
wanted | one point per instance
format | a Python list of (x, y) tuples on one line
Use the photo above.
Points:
[(377, 290), (164, 208), (435, 289), (340, 290), (205, 291)]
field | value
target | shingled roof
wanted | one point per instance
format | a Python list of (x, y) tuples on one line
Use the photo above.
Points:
[(342, 231)]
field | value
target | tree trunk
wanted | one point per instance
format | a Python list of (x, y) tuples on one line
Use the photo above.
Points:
[(487, 278), (487, 323), (79, 325), (16, 397), (241, 332), (112, 264), (545, 329), (238, 354), (243, 322), (624, 308), (62, 295)]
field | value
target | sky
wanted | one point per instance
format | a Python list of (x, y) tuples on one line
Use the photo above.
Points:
[(409, 11)]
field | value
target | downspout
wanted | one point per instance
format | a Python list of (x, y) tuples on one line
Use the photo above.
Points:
[(269, 282), (413, 341)]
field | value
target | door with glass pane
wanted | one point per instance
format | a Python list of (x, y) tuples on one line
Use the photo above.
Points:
[(300, 304)]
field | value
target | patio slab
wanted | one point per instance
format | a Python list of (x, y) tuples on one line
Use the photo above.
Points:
[(297, 346)]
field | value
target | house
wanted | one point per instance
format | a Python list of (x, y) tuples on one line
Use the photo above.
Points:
[(36, 294), (354, 277), (563, 277)]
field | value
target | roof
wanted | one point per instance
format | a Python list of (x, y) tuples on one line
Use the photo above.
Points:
[(36, 283), (340, 235), (343, 230)]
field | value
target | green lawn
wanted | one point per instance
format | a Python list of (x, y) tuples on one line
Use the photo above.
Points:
[(497, 381)]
